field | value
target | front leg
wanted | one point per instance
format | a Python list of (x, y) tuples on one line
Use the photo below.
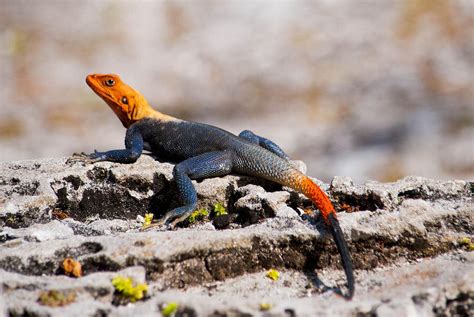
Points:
[(206, 165), (131, 153)]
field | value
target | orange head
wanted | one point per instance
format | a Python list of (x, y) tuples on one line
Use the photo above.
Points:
[(128, 104)]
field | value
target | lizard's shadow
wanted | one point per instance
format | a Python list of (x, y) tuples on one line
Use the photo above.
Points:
[(321, 286), (310, 271)]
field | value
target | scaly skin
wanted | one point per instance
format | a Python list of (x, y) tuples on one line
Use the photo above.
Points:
[(203, 151)]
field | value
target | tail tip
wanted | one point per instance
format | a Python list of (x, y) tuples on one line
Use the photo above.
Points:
[(344, 252)]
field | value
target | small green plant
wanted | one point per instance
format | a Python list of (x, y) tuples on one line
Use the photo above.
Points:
[(467, 243), (148, 219), (199, 214), (219, 209), (273, 274), (169, 309), (265, 306), (124, 286)]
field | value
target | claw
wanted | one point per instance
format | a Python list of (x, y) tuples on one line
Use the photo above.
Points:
[(161, 225), (79, 158), (85, 158), (168, 222)]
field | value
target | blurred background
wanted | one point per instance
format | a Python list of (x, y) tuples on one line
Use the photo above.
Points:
[(367, 89)]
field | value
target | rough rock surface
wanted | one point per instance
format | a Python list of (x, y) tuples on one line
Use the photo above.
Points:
[(410, 242)]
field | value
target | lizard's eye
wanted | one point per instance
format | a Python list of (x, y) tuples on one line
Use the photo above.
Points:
[(110, 82), (125, 100)]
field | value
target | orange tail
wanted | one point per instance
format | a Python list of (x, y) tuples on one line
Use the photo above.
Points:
[(318, 197), (322, 202)]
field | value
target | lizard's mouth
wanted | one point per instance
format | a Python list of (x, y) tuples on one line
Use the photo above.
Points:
[(89, 80), (96, 85), (97, 88)]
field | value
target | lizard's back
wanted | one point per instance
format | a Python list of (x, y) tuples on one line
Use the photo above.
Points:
[(178, 140)]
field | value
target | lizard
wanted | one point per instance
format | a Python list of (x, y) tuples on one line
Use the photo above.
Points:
[(203, 151)]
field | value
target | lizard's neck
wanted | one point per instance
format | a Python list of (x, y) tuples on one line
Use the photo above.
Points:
[(153, 114), (144, 111)]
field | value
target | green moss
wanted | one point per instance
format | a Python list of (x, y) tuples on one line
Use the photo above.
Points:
[(124, 286), (148, 219), (265, 306), (467, 243), (219, 209), (169, 309), (55, 298), (199, 214), (273, 274)]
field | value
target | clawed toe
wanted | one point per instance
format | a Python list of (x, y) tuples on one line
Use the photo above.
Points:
[(155, 227), (168, 222), (161, 225), (85, 158), (80, 158)]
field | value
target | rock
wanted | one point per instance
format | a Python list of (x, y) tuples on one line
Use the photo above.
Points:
[(222, 221), (299, 165), (286, 212), (102, 226), (40, 232), (404, 237), (255, 204), (374, 195), (53, 230)]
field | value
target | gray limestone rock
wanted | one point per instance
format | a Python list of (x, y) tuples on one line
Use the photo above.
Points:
[(410, 243), (53, 230)]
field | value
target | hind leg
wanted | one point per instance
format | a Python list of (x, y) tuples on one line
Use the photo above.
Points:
[(265, 143), (206, 165)]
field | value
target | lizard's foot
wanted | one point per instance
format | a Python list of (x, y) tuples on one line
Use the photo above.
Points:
[(79, 158), (157, 226), (171, 219), (162, 225), (86, 158)]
